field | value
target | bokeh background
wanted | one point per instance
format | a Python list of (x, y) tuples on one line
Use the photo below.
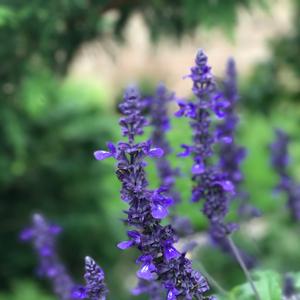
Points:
[(63, 67)]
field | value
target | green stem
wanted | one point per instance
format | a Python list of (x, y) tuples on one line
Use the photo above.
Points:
[(241, 262)]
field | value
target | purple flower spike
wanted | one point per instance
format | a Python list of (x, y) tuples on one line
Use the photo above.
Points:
[(231, 154), (287, 185), (210, 183), (160, 261), (158, 107), (43, 235), (95, 288)]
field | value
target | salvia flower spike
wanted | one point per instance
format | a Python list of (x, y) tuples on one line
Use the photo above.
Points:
[(43, 236), (210, 183), (231, 154), (160, 122), (159, 259), (95, 288), (280, 162)]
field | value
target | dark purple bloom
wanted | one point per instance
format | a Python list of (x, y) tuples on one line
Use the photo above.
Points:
[(159, 119), (287, 184), (231, 154), (43, 236), (95, 288), (159, 258), (210, 183)]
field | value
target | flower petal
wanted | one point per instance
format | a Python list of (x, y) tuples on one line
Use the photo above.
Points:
[(146, 272), (125, 245), (170, 252), (159, 211), (101, 155), (198, 169), (156, 152)]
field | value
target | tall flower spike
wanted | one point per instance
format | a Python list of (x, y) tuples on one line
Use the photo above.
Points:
[(287, 184), (160, 122), (95, 288), (159, 119), (159, 259), (231, 154), (210, 183), (43, 236)]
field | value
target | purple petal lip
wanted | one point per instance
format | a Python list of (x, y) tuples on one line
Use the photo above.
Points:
[(125, 245), (170, 253), (156, 152), (101, 155), (198, 169), (146, 272), (159, 211)]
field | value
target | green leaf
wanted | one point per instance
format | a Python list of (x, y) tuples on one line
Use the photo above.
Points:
[(268, 285)]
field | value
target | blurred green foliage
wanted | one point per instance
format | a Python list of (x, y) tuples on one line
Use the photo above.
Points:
[(277, 79), (50, 126)]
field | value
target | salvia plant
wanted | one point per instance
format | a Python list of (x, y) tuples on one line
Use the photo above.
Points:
[(164, 270), (287, 184)]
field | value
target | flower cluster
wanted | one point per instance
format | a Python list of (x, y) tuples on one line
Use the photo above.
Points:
[(231, 154), (280, 162), (159, 259), (95, 288), (43, 236), (161, 124), (210, 183)]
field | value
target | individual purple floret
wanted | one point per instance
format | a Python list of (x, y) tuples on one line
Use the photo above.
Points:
[(159, 259), (43, 236), (231, 154), (210, 184), (287, 184), (160, 122), (95, 288)]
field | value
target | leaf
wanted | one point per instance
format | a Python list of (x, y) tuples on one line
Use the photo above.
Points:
[(268, 285)]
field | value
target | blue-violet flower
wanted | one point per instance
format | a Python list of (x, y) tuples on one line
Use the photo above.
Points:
[(43, 236), (159, 259)]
